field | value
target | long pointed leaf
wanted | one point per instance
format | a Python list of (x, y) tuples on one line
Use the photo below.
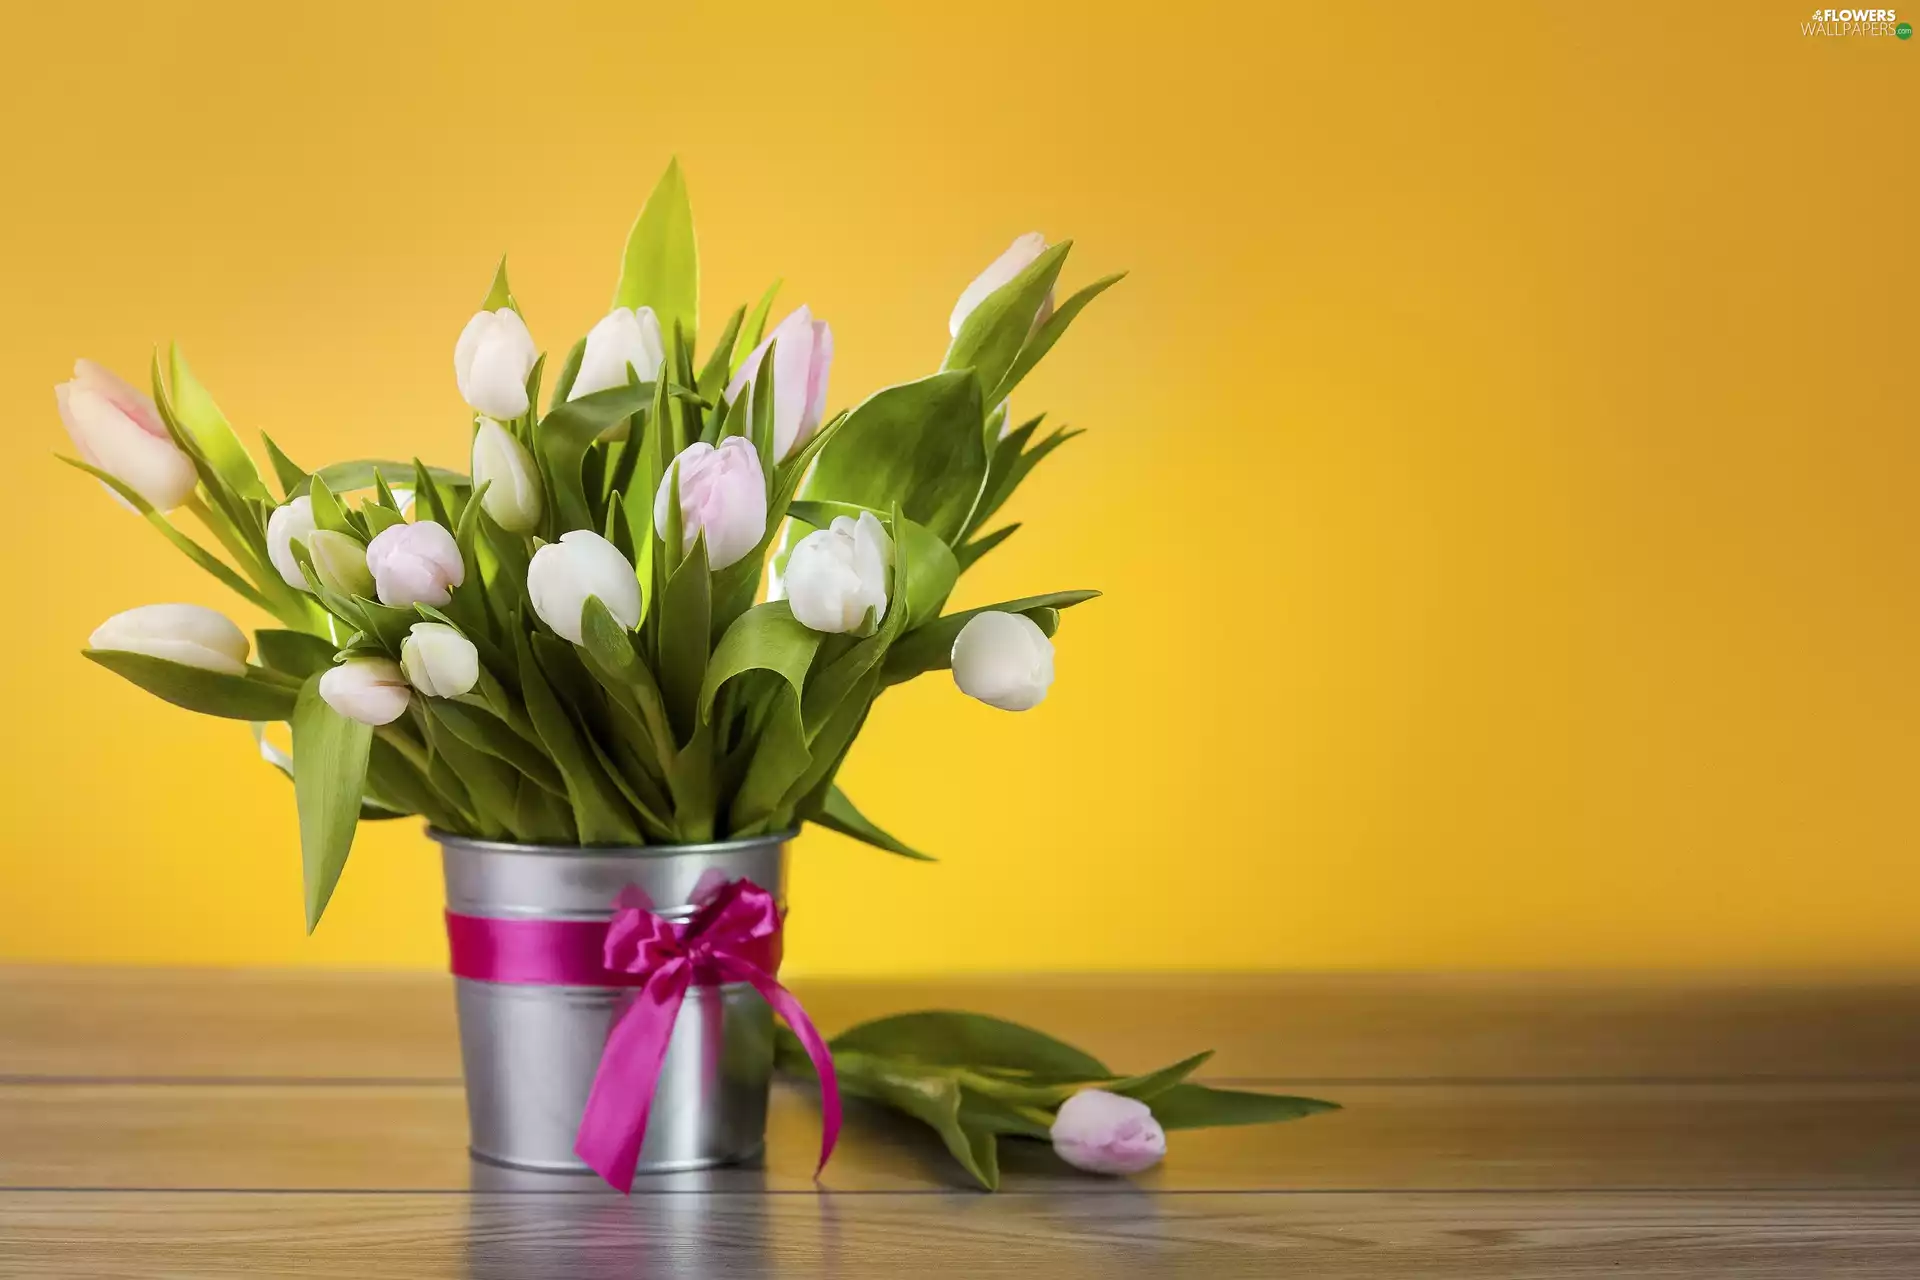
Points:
[(329, 776)]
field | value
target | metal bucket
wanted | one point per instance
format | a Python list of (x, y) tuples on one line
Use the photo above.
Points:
[(530, 1051)]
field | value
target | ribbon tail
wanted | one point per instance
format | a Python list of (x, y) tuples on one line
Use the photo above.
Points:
[(784, 1004), (615, 1121)]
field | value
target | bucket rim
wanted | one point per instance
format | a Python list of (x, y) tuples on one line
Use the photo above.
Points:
[(709, 848)]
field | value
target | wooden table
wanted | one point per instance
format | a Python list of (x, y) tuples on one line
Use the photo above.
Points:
[(157, 1123)]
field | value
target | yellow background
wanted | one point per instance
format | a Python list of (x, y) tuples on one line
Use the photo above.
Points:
[(1502, 460)]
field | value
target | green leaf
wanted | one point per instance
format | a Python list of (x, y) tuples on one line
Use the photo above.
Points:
[(429, 503), (919, 445), (693, 780), (755, 327), (194, 551), (616, 664), (932, 1098), (489, 781), (500, 294), (930, 648), (569, 374), (661, 266), (931, 566), (597, 807), (983, 1113), (1041, 340), (1010, 465), (952, 1038), (330, 513), (766, 637), (719, 365), (1152, 1084), (294, 653), (966, 555), (201, 418), (991, 337), (291, 475), (540, 817), (487, 733), (211, 693), (837, 813), (394, 783), (685, 632), (565, 435), (379, 518), (780, 762), (349, 477), (329, 776), (1195, 1106)]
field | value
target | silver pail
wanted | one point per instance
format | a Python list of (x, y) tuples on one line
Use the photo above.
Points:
[(530, 1051)]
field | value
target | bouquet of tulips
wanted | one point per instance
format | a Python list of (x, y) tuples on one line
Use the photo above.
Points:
[(657, 612)]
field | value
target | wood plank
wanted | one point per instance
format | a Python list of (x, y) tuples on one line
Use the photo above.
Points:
[(1390, 1137), (119, 1236), (308, 1024)]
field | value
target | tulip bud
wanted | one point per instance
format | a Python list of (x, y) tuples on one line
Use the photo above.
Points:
[(183, 633), (627, 336), (118, 429), (1019, 256), (416, 563), (803, 355), (723, 492), (836, 575), (340, 562), (564, 573), (491, 362), (286, 526), (1106, 1133), (1003, 659), (439, 661), (502, 463), (370, 690)]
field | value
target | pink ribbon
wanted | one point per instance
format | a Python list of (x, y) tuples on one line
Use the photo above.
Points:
[(734, 937)]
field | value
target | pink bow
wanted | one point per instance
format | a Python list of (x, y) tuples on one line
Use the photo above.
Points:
[(735, 937)]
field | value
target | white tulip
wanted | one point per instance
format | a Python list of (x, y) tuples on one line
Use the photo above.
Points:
[(838, 575), (1003, 659), (1105, 1132), (416, 563), (117, 429), (370, 690), (1019, 256), (340, 562), (439, 661), (286, 526), (564, 573), (723, 493), (626, 336), (513, 497), (491, 362), (183, 633)]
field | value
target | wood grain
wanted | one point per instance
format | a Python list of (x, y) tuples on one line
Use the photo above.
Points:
[(1347, 1236), (159, 1123), (1448, 1137), (299, 1024)]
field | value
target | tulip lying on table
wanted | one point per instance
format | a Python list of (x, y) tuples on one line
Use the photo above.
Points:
[(975, 1078)]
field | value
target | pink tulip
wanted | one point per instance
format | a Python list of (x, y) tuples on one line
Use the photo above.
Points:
[(1105, 1133), (118, 429), (1019, 256), (803, 356), (416, 563), (723, 492)]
